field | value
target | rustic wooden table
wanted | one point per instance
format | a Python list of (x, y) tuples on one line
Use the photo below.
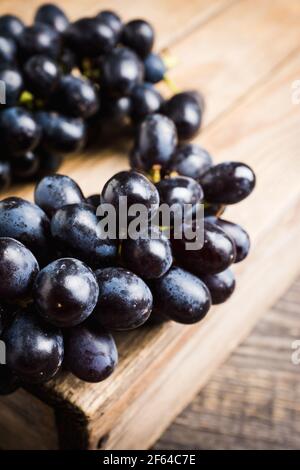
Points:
[(244, 56), (252, 401)]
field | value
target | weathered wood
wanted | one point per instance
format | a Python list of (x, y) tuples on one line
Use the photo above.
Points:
[(252, 401), (162, 368)]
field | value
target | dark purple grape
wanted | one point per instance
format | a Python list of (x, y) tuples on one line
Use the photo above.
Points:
[(145, 99), (228, 183), (150, 256), (34, 349), (11, 26), (185, 112), (3, 315), (220, 285), (216, 255), (18, 269), (41, 75), (5, 175), (121, 71), (112, 20), (25, 167), (9, 382), (180, 190), (239, 236), (190, 160), (76, 97), (56, 191), (156, 141), (19, 132), (138, 35), (155, 68), (61, 133), (65, 292), (39, 39), (49, 162), (76, 230), (136, 187), (90, 37), (8, 51), (27, 223), (93, 200), (125, 301), (180, 296), (91, 353), (14, 84), (53, 16)]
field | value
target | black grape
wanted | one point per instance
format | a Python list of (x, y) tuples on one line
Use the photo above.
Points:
[(155, 68), (150, 256), (41, 75), (53, 16), (220, 285), (216, 255), (39, 39), (65, 292), (14, 84), (228, 183), (8, 51), (139, 36), (18, 270), (90, 353), (190, 160), (135, 186), (34, 349), (56, 191), (19, 131), (112, 20), (75, 229), (25, 167), (27, 223), (90, 37), (121, 71), (11, 26), (156, 141), (76, 97), (180, 296), (186, 113), (239, 236), (125, 301), (145, 99), (61, 133)]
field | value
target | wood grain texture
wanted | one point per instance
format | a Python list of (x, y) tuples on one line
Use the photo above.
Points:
[(252, 401), (250, 117)]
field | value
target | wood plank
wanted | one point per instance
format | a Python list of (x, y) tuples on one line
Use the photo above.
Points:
[(249, 403), (161, 358)]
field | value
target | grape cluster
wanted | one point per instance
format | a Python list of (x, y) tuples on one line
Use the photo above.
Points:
[(63, 80), (65, 288)]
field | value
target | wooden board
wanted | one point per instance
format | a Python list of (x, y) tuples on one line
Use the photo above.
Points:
[(252, 401), (244, 55)]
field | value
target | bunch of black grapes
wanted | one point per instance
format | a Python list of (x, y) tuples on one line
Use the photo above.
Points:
[(64, 79), (65, 288)]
